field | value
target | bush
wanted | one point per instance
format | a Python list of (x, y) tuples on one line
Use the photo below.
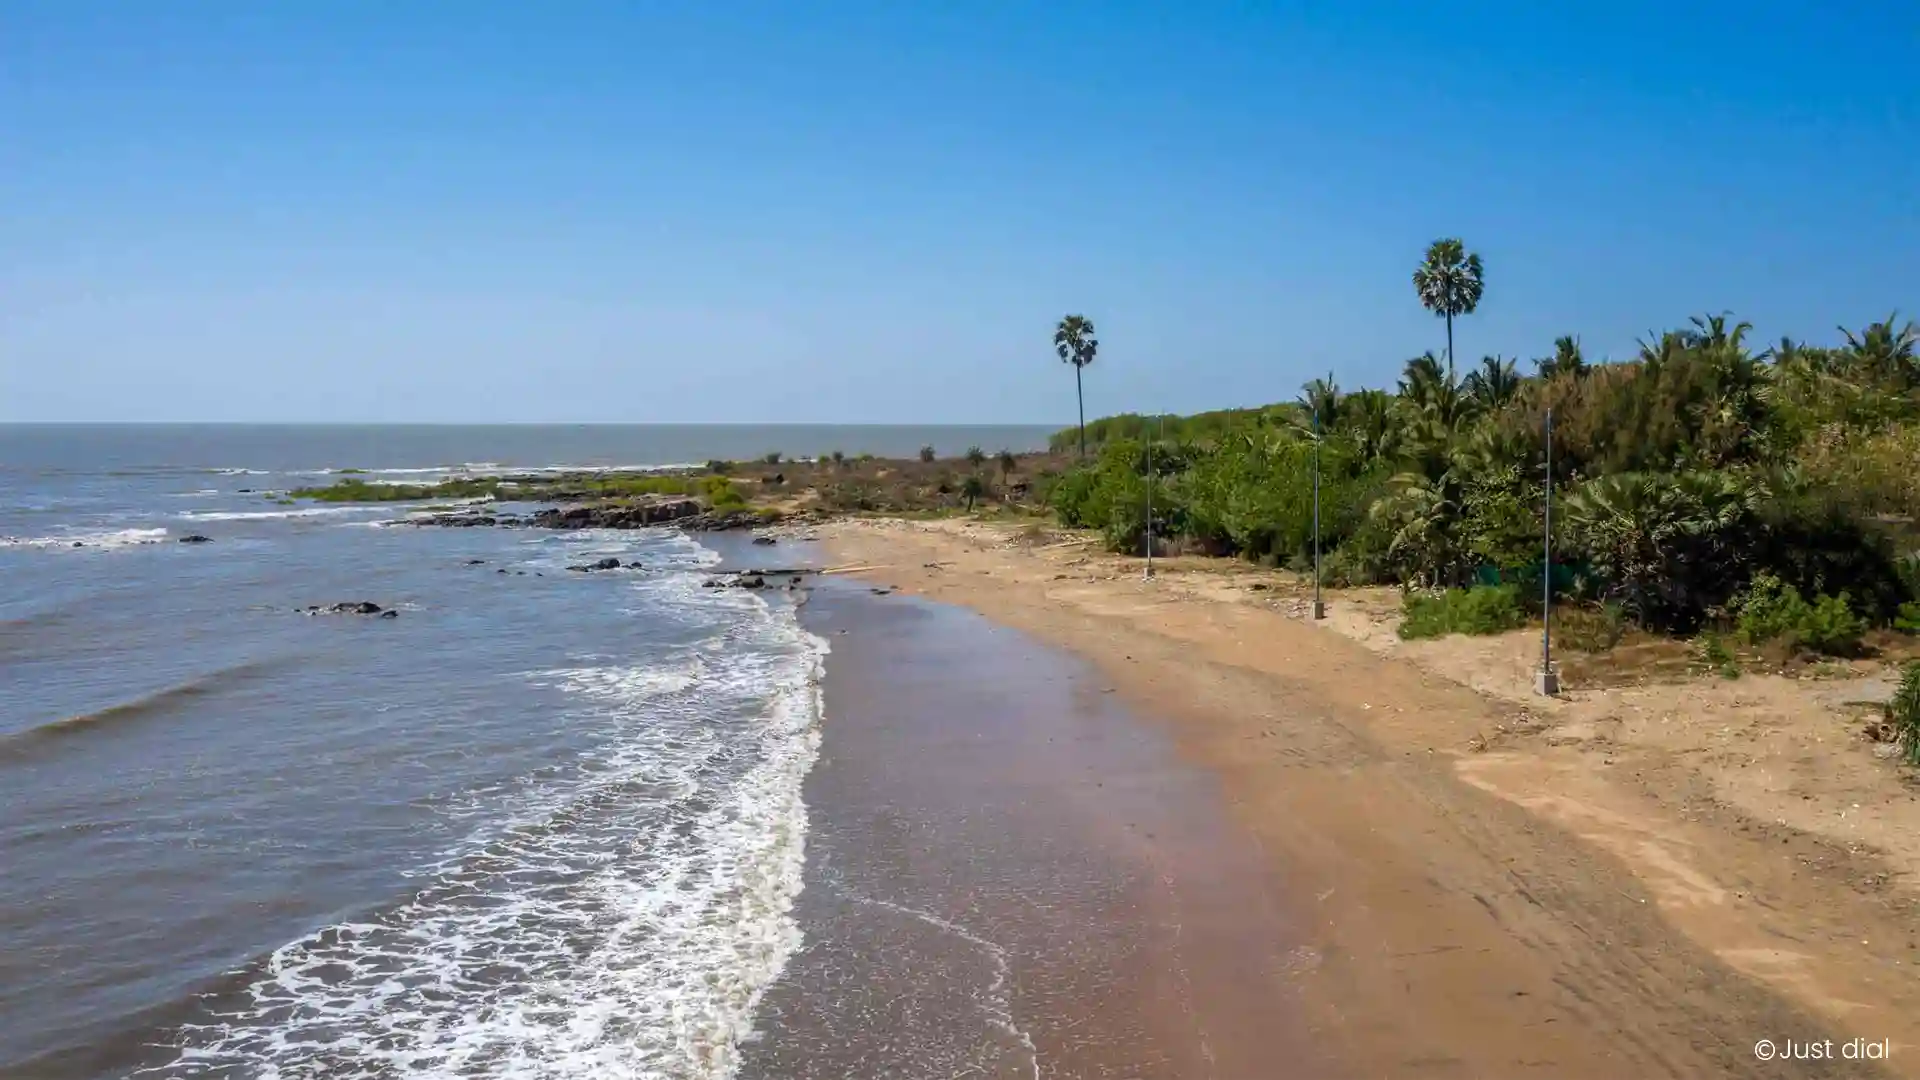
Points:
[(771, 457), (926, 454), (1772, 611), (1903, 711), (1483, 609)]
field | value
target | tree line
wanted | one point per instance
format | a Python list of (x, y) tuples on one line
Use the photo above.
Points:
[(1704, 477)]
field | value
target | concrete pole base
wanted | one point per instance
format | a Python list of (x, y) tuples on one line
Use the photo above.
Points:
[(1546, 683), (1319, 609)]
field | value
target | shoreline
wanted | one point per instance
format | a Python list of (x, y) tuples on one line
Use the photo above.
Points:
[(1485, 898)]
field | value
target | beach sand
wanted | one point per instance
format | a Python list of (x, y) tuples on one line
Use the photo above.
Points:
[(1424, 909), (1009, 874)]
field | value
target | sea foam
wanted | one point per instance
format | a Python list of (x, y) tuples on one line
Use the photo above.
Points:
[(621, 920)]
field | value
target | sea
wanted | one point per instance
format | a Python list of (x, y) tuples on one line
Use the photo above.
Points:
[(540, 824)]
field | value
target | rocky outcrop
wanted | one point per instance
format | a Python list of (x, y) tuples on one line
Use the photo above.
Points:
[(350, 607), (634, 515), (196, 538)]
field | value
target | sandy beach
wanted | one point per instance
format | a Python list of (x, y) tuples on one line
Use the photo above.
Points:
[(1467, 895)]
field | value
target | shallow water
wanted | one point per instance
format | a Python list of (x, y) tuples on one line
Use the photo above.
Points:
[(554, 824)]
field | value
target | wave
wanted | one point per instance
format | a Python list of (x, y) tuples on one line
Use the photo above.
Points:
[(38, 739), (101, 540), (620, 920), (270, 515)]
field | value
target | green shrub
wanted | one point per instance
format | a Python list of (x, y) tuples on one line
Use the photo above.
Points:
[(927, 454), (1903, 711), (1908, 620), (771, 457), (1483, 609), (1772, 611), (1587, 628)]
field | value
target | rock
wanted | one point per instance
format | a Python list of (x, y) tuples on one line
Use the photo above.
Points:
[(754, 582), (350, 607), (763, 541), (389, 614), (196, 538), (502, 570), (603, 564), (628, 515), (476, 562), (710, 583)]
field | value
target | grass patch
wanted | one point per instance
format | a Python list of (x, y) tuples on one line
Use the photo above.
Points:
[(359, 491), (1483, 609)]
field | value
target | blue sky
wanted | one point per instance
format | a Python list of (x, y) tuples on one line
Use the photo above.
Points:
[(473, 211)]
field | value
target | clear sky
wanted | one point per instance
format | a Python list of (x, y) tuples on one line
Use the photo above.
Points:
[(876, 211)]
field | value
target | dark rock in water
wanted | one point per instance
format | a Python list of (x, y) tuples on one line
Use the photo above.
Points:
[(711, 583), (196, 538), (603, 564), (78, 543), (476, 562), (629, 515), (502, 570), (389, 614), (244, 491), (349, 607), (763, 541), (754, 582)]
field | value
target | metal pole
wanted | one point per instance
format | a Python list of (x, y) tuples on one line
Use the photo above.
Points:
[(1319, 607), (1150, 479), (1547, 683)]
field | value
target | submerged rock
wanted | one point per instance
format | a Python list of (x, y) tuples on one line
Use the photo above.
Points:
[(196, 538), (764, 541)]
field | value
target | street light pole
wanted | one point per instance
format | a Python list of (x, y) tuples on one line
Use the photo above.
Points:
[(1547, 682)]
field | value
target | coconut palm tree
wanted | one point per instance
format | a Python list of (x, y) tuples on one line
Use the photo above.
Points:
[(1449, 283), (1074, 340)]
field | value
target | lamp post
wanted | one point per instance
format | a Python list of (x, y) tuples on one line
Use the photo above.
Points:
[(1546, 682), (1319, 607)]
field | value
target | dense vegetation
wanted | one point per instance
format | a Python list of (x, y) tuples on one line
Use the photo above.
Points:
[(1769, 491)]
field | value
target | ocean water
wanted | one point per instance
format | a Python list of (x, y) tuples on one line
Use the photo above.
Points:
[(542, 824)]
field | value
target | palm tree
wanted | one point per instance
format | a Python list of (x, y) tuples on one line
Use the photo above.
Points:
[(1885, 351), (971, 489), (1007, 464), (1567, 359), (1449, 283), (1494, 384), (1322, 400), (976, 456), (1073, 339)]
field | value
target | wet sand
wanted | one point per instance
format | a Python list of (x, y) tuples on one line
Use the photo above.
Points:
[(1438, 929), (1011, 874)]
